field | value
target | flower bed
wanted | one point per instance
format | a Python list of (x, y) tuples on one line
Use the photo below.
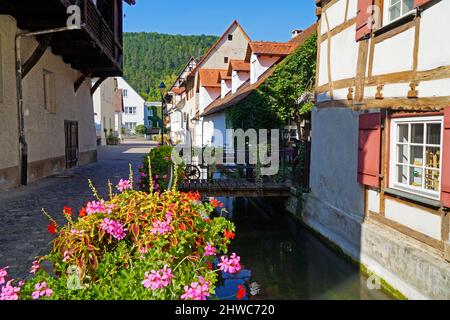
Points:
[(136, 245)]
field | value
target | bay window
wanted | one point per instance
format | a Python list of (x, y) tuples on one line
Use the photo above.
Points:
[(416, 155)]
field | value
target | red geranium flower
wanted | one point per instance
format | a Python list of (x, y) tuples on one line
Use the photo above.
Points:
[(209, 265), (229, 234), (67, 210), (82, 212), (182, 227), (241, 292), (216, 203), (52, 228)]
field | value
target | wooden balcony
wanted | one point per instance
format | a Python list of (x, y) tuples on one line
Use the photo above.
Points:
[(96, 49)]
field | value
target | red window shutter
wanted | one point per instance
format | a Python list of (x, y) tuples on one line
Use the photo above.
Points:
[(364, 19), (418, 3), (445, 183), (369, 149)]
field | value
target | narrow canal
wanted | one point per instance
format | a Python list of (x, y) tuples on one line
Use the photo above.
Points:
[(286, 260)]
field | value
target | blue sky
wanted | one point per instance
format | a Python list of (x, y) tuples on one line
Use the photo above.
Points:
[(270, 20)]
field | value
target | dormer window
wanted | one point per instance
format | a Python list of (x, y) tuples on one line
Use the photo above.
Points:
[(396, 9), (230, 37)]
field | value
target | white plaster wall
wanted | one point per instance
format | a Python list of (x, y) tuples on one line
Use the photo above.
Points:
[(414, 218), (344, 55), (334, 162), (352, 9), (44, 130), (370, 92), (323, 64), (225, 88), (235, 49), (373, 201), (396, 90), (434, 49), (104, 109), (207, 96), (217, 123), (259, 65), (394, 54), (434, 88), (133, 99), (335, 14), (8, 102), (340, 94), (238, 79)]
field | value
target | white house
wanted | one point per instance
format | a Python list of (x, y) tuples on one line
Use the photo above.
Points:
[(135, 111), (380, 166), (107, 109)]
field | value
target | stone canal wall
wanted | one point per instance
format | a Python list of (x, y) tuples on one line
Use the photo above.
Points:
[(410, 267)]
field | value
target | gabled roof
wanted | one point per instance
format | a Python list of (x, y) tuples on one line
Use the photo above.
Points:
[(210, 77), (246, 89), (178, 91), (238, 65), (180, 79), (224, 75), (225, 34), (278, 49)]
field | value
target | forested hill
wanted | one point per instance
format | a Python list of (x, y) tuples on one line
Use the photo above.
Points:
[(150, 58)]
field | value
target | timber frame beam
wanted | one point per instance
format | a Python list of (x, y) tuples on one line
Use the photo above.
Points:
[(44, 43)]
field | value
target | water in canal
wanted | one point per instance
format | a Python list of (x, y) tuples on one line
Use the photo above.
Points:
[(286, 260)]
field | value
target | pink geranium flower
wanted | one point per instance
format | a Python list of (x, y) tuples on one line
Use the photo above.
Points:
[(163, 227), (158, 279), (197, 290), (9, 292), (35, 267), (41, 290), (3, 275), (113, 228), (231, 264), (210, 250), (124, 185), (94, 207)]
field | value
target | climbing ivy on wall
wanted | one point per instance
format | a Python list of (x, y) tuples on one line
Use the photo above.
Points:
[(277, 100)]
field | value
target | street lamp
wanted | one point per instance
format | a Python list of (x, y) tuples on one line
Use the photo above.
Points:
[(162, 89)]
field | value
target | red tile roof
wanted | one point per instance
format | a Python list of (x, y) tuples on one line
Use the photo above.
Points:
[(180, 90), (238, 65), (224, 75), (247, 88), (210, 77), (225, 34), (280, 49)]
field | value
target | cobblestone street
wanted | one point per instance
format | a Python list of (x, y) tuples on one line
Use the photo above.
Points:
[(23, 232)]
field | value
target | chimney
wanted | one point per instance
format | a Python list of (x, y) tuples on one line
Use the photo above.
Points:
[(296, 32)]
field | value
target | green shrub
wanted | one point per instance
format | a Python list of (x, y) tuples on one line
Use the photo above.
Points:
[(140, 129)]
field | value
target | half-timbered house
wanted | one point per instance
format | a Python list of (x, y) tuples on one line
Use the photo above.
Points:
[(380, 167)]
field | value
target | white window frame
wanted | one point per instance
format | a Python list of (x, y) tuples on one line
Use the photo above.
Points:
[(393, 183), (387, 6)]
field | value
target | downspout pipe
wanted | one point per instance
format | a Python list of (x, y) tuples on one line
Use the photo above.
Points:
[(23, 146)]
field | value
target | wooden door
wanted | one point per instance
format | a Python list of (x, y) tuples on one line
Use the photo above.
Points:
[(71, 133)]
